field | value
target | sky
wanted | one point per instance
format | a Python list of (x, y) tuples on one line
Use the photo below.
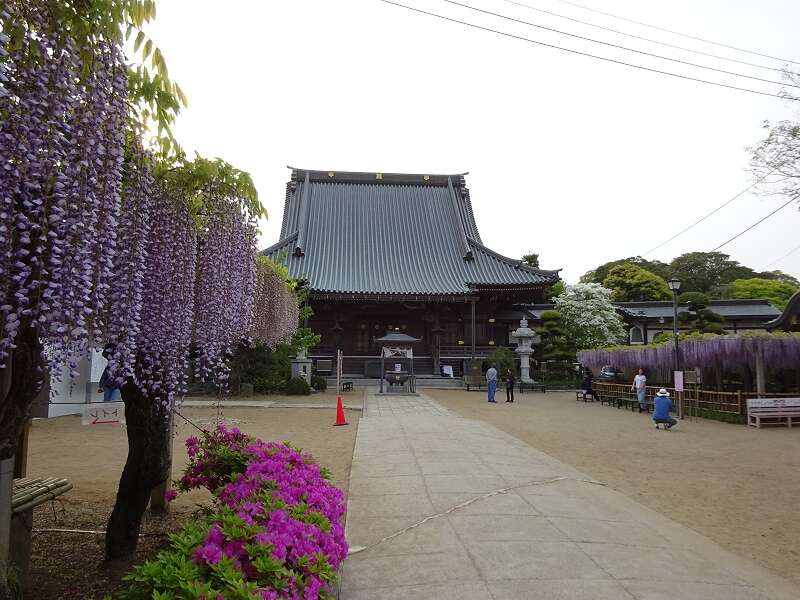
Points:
[(579, 160)]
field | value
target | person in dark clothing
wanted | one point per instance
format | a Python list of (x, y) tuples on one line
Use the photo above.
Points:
[(586, 387), (510, 380), (107, 386)]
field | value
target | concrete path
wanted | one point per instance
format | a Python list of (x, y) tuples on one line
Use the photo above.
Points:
[(484, 516)]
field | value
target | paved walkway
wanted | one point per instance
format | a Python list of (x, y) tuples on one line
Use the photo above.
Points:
[(484, 516)]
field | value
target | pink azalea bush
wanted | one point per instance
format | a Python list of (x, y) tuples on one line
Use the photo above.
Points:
[(275, 531)]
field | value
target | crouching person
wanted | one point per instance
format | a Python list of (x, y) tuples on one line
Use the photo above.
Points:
[(662, 405)]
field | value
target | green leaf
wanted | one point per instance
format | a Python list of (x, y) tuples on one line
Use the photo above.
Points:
[(140, 37), (148, 47)]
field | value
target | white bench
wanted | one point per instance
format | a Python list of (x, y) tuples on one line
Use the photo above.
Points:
[(773, 411)]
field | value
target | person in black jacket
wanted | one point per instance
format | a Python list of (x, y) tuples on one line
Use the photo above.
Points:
[(586, 386), (510, 386)]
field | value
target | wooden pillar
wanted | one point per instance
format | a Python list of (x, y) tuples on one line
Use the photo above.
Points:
[(761, 376), (472, 327)]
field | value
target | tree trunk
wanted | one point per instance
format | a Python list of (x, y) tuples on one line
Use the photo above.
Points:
[(20, 383), (145, 468)]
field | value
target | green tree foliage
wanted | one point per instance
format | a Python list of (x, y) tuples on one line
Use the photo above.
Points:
[(780, 276), (589, 317), (532, 260), (503, 359), (777, 292), (599, 274), (554, 290), (698, 317), (707, 271), (554, 341), (631, 283)]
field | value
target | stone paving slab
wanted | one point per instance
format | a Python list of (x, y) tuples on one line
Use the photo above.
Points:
[(510, 522)]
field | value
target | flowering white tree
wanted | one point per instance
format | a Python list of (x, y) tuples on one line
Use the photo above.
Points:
[(589, 317)]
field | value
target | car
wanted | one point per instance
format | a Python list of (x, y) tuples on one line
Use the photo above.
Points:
[(609, 373)]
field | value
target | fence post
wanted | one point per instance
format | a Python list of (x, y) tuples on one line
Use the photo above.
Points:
[(741, 402)]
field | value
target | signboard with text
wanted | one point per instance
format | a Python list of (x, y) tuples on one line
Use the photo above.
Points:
[(103, 413)]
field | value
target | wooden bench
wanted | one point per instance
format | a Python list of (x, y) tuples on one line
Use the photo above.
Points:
[(474, 381), (30, 492), (773, 411), (533, 386), (582, 395)]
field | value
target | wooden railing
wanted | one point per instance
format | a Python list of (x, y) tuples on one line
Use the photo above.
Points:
[(734, 403)]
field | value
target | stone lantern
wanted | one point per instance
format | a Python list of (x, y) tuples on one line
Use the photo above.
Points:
[(524, 336)]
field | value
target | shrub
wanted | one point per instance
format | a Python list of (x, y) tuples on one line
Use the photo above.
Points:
[(275, 529), (319, 383), (297, 386), (503, 359)]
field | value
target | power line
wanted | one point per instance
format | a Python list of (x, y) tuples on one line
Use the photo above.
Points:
[(645, 39), (720, 207), (777, 260), (578, 52), (617, 46), (672, 31), (741, 233)]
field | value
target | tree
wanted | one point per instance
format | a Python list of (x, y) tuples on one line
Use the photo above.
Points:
[(631, 283), (775, 160), (554, 290), (589, 317), (699, 317), (777, 292), (780, 276), (532, 260), (706, 271), (554, 341), (599, 274)]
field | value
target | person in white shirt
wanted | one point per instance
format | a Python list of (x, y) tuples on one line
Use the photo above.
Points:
[(491, 382), (640, 387)]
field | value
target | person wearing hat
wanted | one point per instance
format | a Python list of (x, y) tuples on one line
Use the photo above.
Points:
[(662, 404)]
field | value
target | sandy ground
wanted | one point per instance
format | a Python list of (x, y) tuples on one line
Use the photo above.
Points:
[(735, 484), (70, 565)]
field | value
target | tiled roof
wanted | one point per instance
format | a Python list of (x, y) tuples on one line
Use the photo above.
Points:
[(384, 234), (730, 309)]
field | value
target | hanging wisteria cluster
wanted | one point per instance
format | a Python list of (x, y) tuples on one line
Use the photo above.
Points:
[(123, 318), (780, 350), (276, 308), (61, 153), (226, 280), (167, 312)]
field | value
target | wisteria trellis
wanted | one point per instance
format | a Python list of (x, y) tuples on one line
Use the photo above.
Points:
[(779, 350)]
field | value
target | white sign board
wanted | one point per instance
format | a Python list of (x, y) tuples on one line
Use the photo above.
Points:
[(773, 402), (678, 381), (103, 413)]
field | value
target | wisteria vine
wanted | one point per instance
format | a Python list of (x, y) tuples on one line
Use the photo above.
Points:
[(61, 148), (226, 281), (276, 307), (779, 350)]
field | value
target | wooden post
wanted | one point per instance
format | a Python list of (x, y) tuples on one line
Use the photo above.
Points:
[(473, 330), (741, 402), (6, 492), (761, 379)]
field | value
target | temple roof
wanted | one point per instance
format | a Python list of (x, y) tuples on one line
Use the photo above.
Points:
[(390, 234)]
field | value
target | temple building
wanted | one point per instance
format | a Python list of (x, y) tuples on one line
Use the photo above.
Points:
[(387, 252)]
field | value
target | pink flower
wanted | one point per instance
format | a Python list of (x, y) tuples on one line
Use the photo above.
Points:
[(209, 554), (170, 495)]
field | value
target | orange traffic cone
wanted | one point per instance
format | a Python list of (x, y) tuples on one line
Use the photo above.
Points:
[(340, 420)]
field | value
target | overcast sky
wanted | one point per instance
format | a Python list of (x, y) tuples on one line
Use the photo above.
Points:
[(579, 160)]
